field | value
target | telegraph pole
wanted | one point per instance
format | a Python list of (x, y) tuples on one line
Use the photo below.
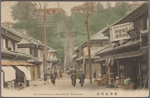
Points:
[(44, 24), (88, 8), (89, 50)]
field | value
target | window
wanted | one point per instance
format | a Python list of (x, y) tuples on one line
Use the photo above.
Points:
[(6, 43), (32, 51), (41, 53), (145, 24), (105, 44), (35, 52), (13, 45)]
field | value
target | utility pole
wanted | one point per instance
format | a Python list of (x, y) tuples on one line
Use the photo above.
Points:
[(89, 7), (45, 53), (89, 50)]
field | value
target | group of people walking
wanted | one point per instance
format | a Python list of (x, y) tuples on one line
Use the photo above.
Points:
[(53, 75), (75, 75)]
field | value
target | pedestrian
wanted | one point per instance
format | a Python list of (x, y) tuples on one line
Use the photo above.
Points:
[(54, 80), (77, 73), (60, 73), (94, 74), (45, 79), (81, 77), (73, 78), (51, 74), (52, 77), (55, 71)]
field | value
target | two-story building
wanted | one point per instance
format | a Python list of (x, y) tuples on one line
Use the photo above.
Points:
[(14, 69), (97, 42), (127, 53), (35, 48)]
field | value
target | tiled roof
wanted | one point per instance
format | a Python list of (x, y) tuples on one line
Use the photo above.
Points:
[(12, 31), (87, 57), (99, 35), (3, 51), (110, 48), (51, 50)]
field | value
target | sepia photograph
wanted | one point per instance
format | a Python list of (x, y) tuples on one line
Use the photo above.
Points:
[(74, 49)]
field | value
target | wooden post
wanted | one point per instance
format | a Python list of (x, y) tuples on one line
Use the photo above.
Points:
[(95, 68), (83, 61), (126, 70), (118, 69), (45, 54), (89, 51), (140, 75)]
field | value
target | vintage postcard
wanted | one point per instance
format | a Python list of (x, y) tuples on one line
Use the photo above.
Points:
[(74, 49)]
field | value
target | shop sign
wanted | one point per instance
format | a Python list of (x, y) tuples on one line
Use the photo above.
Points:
[(119, 32)]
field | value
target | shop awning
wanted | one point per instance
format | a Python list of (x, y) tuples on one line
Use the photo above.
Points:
[(10, 73), (86, 57), (26, 72), (107, 50), (15, 63), (110, 60), (132, 54)]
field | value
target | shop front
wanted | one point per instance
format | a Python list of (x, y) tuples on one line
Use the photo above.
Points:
[(131, 65), (16, 74)]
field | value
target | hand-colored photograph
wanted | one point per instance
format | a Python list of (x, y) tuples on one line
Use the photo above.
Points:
[(74, 49)]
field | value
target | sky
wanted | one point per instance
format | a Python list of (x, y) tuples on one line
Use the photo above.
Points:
[(6, 10)]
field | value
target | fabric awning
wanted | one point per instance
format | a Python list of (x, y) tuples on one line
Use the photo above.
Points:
[(26, 72), (15, 63), (10, 73)]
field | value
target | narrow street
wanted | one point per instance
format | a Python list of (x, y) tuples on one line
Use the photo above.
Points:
[(105, 44), (64, 88)]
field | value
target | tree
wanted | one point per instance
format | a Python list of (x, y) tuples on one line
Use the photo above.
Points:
[(99, 20), (39, 5), (21, 10), (99, 7), (108, 4)]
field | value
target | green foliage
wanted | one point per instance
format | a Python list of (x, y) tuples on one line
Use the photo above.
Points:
[(60, 54), (21, 10), (99, 7), (98, 20), (53, 39)]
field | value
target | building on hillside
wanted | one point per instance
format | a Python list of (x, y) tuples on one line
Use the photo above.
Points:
[(97, 42), (14, 69), (127, 53), (50, 12), (7, 24), (84, 7)]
